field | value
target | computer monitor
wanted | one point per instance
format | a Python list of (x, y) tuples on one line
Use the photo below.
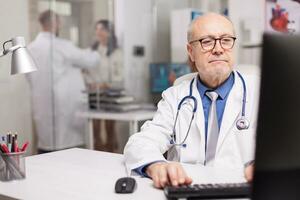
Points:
[(277, 161), (162, 75)]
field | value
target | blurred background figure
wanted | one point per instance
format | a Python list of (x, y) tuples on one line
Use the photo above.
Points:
[(107, 75), (57, 86)]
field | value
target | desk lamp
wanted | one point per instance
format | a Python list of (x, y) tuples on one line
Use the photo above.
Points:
[(21, 59)]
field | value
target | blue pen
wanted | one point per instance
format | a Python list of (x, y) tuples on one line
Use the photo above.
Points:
[(3, 140)]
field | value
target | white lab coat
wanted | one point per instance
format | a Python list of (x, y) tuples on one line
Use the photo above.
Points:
[(234, 148), (110, 69), (56, 90)]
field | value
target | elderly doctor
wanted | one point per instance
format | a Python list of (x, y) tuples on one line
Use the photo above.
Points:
[(209, 119), (57, 86)]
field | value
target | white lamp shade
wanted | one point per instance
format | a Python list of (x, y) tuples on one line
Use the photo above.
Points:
[(22, 62)]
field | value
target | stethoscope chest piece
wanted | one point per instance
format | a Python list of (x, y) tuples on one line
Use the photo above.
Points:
[(242, 123)]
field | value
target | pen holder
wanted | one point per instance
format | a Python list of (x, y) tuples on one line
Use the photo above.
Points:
[(12, 166)]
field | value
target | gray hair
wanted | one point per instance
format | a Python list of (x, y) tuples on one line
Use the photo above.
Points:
[(190, 30)]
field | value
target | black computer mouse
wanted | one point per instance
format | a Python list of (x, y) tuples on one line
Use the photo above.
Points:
[(125, 185)]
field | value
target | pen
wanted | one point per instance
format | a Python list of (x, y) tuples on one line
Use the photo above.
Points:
[(9, 141), (16, 148), (24, 146), (12, 144), (3, 140), (4, 148)]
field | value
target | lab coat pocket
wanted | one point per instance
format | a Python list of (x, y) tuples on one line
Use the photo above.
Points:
[(245, 142)]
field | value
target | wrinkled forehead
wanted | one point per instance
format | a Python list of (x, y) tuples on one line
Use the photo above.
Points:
[(212, 26)]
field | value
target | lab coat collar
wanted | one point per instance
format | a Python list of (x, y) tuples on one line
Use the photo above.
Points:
[(46, 34), (199, 116)]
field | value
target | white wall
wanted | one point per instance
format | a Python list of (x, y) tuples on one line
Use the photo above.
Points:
[(15, 111), (101, 10), (137, 31), (251, 12)]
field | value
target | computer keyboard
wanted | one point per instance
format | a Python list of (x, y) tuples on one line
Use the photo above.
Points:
[(209, 191)]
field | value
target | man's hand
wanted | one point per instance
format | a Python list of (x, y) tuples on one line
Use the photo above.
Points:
[(249, 172), (163, 174)]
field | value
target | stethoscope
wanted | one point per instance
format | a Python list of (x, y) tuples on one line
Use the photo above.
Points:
[(241, 124)]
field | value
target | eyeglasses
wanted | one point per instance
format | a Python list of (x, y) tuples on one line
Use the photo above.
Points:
[(209, 43)]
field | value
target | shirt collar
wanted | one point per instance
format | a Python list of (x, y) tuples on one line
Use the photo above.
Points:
[(223, 90), (46, 34)]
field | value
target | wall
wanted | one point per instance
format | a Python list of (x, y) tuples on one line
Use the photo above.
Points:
[(137, 32), (15, 110), (251, 13), (147, 26), (101, 10)]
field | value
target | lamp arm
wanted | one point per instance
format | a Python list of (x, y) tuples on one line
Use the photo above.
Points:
[(4, 51), (11, 49)]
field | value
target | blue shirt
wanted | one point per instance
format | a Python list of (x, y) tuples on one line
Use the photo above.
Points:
[(223, 91)]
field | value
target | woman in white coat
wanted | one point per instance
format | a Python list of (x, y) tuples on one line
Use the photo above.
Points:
[(107, 74), (57, 86), (210, 43)]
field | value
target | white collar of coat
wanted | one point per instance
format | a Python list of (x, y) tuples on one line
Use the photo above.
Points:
[(46, 34)]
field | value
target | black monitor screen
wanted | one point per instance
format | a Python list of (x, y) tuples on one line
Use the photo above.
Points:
[(278, 130), (277, 161)]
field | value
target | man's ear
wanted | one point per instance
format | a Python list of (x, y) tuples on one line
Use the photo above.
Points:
[(190, 52)]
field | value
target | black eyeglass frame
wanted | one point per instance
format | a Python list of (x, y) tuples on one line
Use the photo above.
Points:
[(215, 42)]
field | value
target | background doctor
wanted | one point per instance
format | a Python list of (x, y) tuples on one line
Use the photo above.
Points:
[(57, 86), (210, 47), (107, 75)]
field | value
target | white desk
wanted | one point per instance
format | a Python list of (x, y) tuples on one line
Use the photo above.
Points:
[(133, 117), (86, 174)]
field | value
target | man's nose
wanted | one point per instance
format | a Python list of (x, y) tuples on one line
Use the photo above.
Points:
[(218, 48)]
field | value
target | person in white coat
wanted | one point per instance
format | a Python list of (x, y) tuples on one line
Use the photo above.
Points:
[(108, 74), (57, 86), (216, 109)]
